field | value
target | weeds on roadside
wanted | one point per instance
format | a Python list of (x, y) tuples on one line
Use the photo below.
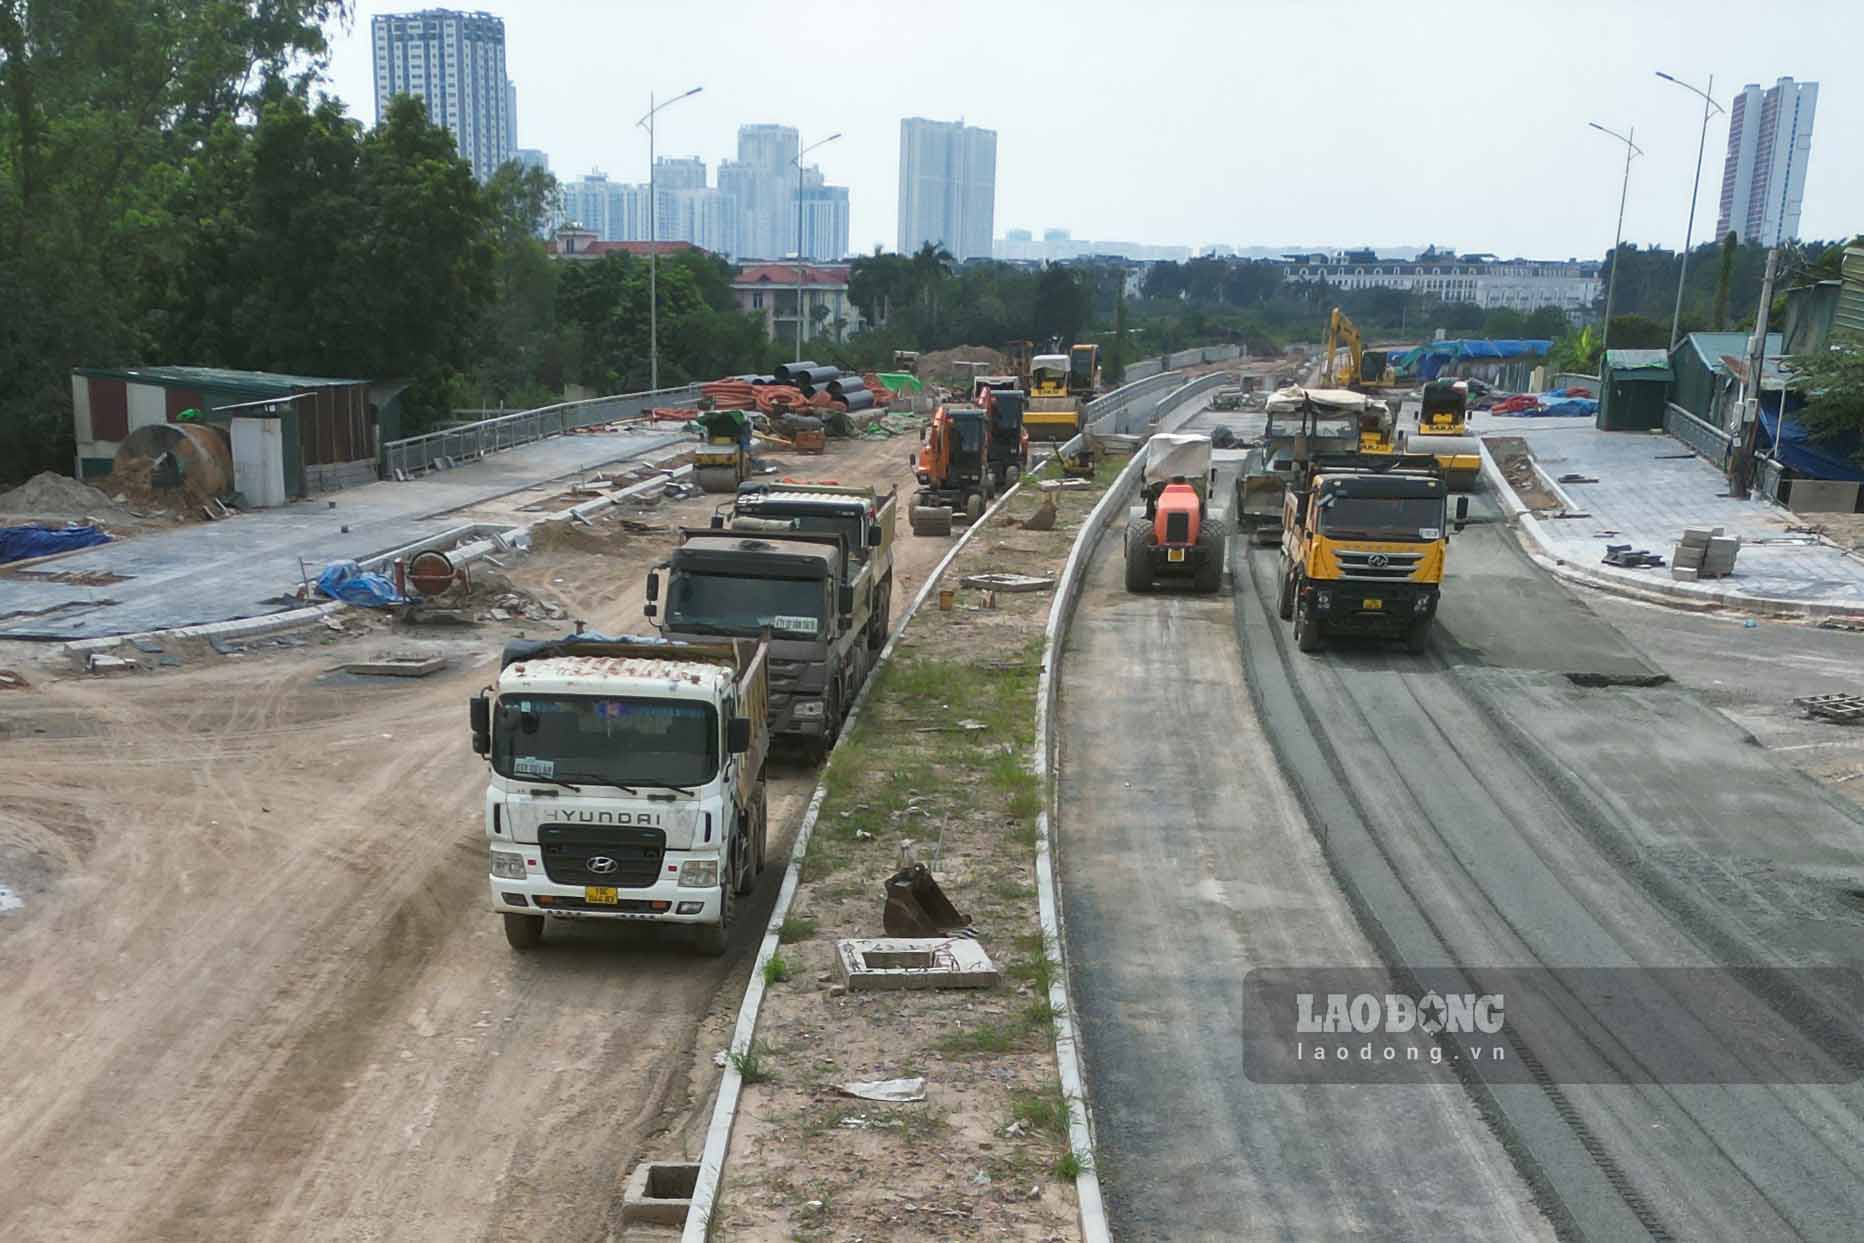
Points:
[(752, 1065), (776, 970), (796, 928)]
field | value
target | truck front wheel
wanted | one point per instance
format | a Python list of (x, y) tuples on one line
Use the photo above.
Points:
[(713, 938), (1284, 603), (1306, 627), (1417, 637), (524, 932)]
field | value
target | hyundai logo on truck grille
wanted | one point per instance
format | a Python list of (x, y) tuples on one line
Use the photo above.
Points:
[(602, 865), (1378, 561)]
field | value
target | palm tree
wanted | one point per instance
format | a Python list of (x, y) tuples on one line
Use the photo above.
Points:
[(931, 266)]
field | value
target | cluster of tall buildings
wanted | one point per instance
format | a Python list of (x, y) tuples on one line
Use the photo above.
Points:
[(948, 187), (455, 62), (763, 205)]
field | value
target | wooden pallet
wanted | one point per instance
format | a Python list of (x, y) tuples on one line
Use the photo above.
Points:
[(1844, 709)]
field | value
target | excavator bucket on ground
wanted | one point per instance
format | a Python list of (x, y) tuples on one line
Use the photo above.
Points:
[(917, 907)]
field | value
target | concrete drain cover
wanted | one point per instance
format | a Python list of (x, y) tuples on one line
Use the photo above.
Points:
[(871, 964), (399, 666), (660, 1193)]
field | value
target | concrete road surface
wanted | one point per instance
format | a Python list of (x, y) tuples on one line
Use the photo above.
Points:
[(211, 572)]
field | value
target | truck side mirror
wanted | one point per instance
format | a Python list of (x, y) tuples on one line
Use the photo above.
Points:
[(1462, 510), (844, 600), (718, 522), (653, 585), (738, 735), (873, 537), (480, 710)]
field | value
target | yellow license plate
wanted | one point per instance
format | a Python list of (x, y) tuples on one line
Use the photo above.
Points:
[(1174, 554), (1372, 604), (602, 894)]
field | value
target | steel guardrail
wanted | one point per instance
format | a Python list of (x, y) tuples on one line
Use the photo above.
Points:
[(413, 454)]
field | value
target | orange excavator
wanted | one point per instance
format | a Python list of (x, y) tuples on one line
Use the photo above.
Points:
[(953, 466)]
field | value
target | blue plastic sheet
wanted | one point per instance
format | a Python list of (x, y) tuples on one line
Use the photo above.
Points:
[(1816, 459), (21, 543), (350, 583)]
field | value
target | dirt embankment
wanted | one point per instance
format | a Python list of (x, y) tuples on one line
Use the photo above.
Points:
[(252, 987)]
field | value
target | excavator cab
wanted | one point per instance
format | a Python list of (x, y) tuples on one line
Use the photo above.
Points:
[(953, 469)]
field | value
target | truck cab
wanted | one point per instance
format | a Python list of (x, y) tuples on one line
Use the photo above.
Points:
[(862, 517), (1364, 538), (787, 586), (627, 782)]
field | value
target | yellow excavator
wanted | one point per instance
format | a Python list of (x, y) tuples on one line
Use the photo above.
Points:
[(1366, 371)]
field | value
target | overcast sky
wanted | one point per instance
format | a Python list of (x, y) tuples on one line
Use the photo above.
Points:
[(1174, 122)]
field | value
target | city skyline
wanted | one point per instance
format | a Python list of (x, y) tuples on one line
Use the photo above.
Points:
[(455, 63), (1561, 202), (948, 187)]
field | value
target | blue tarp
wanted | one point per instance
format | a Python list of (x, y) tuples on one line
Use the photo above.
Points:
[(20, 543), (1815, 459), (347, 581)]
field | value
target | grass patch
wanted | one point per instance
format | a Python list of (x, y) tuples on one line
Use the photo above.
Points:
[(983, 1039), (1045, 1113), (1031, 965), (776, 970), (753, 1065), (796, 928), (1067, 1167)]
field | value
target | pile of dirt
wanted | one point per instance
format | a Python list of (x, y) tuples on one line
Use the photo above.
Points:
[(611, 535), (132, 481), (51, 495), (491, 596), (942, 366)]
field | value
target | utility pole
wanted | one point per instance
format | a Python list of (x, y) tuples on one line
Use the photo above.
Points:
[(1689, 232), (1750, 389), (1611, 286), (653, 241), (800, 272)]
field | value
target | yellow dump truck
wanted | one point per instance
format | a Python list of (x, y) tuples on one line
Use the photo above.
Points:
[(1364, 538)]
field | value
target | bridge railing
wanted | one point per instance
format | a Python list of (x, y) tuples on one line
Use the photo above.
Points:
[(414, 454)]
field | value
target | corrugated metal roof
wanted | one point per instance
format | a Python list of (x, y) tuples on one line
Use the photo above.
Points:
[(1850, 312), (217, 379), (1710, 346)]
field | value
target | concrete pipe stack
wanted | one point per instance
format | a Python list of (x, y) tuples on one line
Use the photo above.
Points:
[(852, 391), (813, 379)]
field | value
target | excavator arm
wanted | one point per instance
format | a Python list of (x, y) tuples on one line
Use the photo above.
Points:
[(1342, 331)]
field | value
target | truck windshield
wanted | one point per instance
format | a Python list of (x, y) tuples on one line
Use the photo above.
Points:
[(789, 607), (1382, 517), (970, 434), (1284, 424), (598, 739)]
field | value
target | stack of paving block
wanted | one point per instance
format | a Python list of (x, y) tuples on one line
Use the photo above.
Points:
[(1704, 552)]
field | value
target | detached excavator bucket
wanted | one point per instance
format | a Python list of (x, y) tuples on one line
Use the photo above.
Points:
[(917, 907)]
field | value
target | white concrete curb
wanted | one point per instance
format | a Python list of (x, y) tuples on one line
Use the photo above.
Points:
[(1602, 578), (731, 1083), (247, 627)]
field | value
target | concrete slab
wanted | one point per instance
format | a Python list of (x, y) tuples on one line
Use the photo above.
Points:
[(871, 964), (246, 566), (659, 1193)]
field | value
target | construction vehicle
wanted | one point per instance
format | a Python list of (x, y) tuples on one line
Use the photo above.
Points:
[(1173, 534), (863, 517), (788, 587), (953, 466), (1054, 413), (1364, 538), (1298, 425), (627, 782), (906, 361), (1020, 353), (723, 459), (1443, 432), (1365, 371), (1008, 451), (1084, 372)]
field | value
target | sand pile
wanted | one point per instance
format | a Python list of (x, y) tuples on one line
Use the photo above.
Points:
[(131, 480), (51, 495), (941, 366)]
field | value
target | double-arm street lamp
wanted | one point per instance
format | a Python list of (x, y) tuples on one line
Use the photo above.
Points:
[(800, 257), (653, 239), (1611, 286), (1689, 233)]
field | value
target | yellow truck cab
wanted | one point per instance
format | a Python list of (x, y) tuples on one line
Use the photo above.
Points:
[(1364, 538)]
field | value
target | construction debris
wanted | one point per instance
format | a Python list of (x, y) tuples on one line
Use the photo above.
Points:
[(1841, 709), (892, 1091), (867, 964), (1008, 582), (100, 663), (1630, 558), (10, 681), (398, 666)]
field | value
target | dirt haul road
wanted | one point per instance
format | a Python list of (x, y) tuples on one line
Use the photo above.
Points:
[(254, 990)]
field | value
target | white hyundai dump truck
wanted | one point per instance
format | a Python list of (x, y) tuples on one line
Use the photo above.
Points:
[(627, 781)]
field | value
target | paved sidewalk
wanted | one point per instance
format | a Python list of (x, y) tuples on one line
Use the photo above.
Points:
[(212, 572), (1647, 492)]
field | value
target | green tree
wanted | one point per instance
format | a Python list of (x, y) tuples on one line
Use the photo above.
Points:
[(1061, 305), (1113, 366), (1833, 381), (1725, 272)]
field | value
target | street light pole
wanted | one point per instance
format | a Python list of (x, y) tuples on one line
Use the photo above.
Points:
[(1689, 233), (653, 241), (799, 237), (1611, 286)]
